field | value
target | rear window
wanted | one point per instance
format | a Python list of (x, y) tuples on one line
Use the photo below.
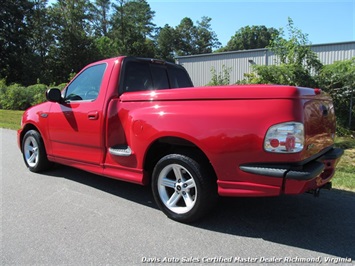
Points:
[(143, 75), (137, 77), (160, 77), (179, 78)]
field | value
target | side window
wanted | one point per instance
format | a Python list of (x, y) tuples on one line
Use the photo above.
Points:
[(137, 77), (87, 85)]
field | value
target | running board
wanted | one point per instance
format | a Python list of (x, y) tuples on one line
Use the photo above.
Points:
[(120, 150)]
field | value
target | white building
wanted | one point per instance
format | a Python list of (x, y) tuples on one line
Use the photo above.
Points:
[(240, 62)]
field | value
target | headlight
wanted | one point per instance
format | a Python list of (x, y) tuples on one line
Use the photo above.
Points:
[(285, 138)]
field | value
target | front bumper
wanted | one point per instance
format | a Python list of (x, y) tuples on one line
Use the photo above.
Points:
[(19, 132), (301, 177)]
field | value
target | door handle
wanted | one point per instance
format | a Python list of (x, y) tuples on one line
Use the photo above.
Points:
[(94, 115)]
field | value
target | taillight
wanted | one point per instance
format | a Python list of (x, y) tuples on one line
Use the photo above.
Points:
[(285, 138), (317, 91)]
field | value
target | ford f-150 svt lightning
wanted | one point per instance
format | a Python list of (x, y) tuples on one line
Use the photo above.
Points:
[(142, 121)]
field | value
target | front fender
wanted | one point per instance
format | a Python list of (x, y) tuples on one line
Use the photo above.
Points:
[(36, 118)]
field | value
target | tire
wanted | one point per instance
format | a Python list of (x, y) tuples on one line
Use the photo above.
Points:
[(34, 152), (183, 188)]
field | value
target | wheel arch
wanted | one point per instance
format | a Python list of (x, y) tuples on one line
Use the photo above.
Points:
[(27, 128), (169, 145)]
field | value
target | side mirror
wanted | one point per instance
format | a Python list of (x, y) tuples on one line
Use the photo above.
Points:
[(54, 95)]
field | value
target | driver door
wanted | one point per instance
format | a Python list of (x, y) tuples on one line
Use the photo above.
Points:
[(75, 126)]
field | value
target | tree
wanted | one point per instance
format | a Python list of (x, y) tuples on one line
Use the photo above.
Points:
[(166, 40), (298, 65), (106, 47), (192, 39), (101, 17), (206, 39), (132, 26), (14, 34), (253, 37), (185, 37), (296, 49), (39, 42), (73, 35)]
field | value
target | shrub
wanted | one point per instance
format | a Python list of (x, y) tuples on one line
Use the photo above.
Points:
[(223, 78), (61, 86), (15, 97), (338, 79), (288, 74), (18, 97), (37, 93), (2, 90), (297, 64)]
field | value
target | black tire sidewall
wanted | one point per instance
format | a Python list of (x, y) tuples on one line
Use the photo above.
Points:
[(43, 162)]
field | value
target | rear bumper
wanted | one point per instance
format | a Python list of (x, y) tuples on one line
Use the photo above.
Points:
[(302, 172), (295, 178)]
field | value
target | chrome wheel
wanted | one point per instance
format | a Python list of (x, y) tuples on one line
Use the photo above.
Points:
[(31, 151), (177, 188)]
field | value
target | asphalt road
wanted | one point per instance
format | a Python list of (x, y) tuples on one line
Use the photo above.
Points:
[(70, 217)]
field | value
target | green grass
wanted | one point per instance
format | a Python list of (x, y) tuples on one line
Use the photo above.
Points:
[(345, 172), (10, 119), (344, 177), (345, 142)]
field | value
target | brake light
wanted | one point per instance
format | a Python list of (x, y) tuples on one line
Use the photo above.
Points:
[(285, 138), (317, 91)]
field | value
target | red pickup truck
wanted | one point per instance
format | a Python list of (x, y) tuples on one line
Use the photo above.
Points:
[(142, 121)]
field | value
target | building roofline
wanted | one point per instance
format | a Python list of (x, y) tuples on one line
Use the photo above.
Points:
[(255, 50)]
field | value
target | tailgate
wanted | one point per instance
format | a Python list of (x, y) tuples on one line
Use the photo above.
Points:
[(320, 125)]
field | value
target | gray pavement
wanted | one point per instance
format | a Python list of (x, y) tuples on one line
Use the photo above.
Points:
[(69, 217)]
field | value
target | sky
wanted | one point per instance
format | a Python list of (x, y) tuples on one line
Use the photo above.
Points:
[(326, 21)]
